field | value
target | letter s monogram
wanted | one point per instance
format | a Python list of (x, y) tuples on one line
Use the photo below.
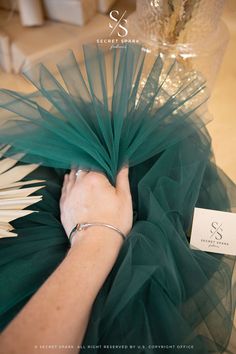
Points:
[(125, 31), (217, 230)]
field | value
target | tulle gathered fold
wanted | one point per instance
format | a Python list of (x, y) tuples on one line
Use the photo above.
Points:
[(100, 127), (101, 117)]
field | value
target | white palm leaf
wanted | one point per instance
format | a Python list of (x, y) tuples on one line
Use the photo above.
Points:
[(13, 198)]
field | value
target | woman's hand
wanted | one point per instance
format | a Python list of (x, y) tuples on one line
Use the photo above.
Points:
[(74, 285), (89, 197)]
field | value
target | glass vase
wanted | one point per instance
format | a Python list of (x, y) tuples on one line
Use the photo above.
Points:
[(189, 31)]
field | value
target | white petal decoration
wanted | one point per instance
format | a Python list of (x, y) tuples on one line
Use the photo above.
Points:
[(14, 198)]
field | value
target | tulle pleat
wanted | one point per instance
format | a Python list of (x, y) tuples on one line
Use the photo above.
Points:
[(105, 121)]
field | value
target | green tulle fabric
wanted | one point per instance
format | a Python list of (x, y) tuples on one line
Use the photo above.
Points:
[(160, 291)]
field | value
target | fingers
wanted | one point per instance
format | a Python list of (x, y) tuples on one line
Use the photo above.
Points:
[(65, 181), (69, 180), (72, 176), (122, 181), (95, 178)]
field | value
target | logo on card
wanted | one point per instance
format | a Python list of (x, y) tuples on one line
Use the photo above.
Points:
[(215, 236), (216, 230), (118, 23)]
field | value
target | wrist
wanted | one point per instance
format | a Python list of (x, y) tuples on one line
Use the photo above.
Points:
[(107, 238), (84, 226), (94, 252)]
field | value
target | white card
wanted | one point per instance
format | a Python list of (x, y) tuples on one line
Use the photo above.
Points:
[(214, 231)]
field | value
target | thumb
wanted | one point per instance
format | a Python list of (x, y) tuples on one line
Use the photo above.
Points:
[(122, 181)]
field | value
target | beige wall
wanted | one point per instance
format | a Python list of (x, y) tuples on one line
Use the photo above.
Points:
[(223, 101)]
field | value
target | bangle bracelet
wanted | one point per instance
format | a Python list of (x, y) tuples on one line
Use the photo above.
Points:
[(84, 226)]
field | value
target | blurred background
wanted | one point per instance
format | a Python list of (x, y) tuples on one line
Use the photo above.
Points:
[(35, 30)]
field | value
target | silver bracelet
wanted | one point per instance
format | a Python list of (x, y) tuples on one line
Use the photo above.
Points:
[(85, 225)]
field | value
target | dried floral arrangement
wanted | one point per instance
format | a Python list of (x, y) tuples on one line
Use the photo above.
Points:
[(178, 21), (14, 193)]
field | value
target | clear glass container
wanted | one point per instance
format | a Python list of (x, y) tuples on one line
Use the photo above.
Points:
[(190, 31)]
